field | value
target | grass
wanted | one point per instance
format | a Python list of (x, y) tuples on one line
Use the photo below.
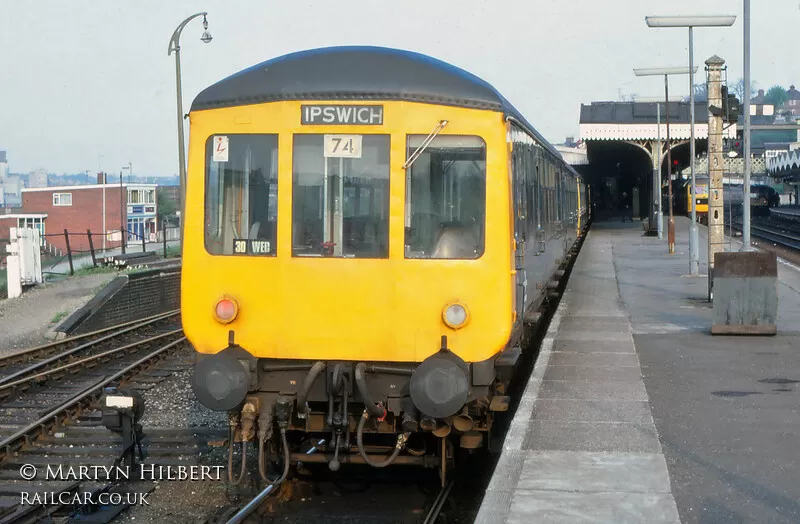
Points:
[(94, 270), (58, 316), (3, 283)]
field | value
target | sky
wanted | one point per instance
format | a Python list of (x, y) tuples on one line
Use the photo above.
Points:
[(87, 84)]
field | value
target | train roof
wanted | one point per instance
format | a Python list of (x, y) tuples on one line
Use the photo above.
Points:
[(359, 73)]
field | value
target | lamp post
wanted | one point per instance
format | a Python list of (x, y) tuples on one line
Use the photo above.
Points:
[(746, 132), (123, 203), (174, 46), (666, 72), (105, 233), (691, 22)]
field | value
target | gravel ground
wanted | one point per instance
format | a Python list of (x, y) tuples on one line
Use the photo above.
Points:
[(171, 404), (25, 321)]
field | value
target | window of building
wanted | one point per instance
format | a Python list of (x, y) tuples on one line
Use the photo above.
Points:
[(446, 198), (340, 196), (242, 196), (62, 199)]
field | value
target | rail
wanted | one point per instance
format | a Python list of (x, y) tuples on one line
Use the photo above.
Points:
[(438, 503), (55, 351), (785, 234), (12, 443), (28, 379), (252, 505)]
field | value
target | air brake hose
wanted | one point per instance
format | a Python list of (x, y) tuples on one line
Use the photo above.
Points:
[(262, 470), (243, 471), (401, 440), (313, 373), (369, 403)]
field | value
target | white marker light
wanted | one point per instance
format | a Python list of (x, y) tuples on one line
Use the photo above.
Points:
[(455, 316)]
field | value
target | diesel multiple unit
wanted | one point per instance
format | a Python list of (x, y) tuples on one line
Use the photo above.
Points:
[(367, 231)]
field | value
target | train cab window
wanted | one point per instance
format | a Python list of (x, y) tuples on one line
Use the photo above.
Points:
[(446, 198), (340, 196), (241, 195)]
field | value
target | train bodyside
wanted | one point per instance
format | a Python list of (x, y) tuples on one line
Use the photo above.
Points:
[(392, 276)]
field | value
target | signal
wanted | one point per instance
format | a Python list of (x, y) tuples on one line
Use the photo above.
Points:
[(730, 106)]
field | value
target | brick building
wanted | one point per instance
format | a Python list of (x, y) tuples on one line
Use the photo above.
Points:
[(96, 208)]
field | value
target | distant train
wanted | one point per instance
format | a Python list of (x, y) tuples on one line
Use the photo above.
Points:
[(761, 199), (367, 231)]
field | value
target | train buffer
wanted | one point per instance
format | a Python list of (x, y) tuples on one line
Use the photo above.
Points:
[(634, 412)]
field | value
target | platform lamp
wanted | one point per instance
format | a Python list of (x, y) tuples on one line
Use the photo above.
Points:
[(746, 246), (666, 72), (175, 46), (691, 22), (123, 203)]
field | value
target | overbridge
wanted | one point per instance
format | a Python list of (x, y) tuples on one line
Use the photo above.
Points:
[(622, 147)]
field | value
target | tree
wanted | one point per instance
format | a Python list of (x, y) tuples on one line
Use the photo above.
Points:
[(738, 89), (166, 206), (776, 95), (700, 93)]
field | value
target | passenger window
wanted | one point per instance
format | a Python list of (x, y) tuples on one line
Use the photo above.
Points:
[(340, 196), (241, 208), (446, 198)]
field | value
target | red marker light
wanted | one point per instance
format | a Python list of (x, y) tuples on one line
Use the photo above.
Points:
[(226, 310)]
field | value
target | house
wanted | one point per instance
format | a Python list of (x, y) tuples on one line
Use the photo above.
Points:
[(103, 209), (792, 104), (758, 107)]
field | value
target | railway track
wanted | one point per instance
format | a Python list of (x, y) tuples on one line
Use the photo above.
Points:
[(51, 379), (20, 364), (52, 418), (783, 233), (435, 504)]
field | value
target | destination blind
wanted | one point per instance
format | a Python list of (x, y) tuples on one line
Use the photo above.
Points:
[(337, 115)]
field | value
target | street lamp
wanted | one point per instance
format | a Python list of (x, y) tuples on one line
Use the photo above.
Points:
[(746, 132), (666, 71), (691, 22), (123, 203), (174, 46)]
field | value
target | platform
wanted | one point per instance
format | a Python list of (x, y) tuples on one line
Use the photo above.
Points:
[(635, 413), (786, 211)]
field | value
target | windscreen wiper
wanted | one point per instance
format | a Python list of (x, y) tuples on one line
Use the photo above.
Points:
[(425, 143)]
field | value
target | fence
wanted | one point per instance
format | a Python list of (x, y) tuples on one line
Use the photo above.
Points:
[(84, 249)]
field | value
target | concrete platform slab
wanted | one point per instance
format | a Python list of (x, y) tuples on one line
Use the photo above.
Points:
[(603, 374), (574, 358), (592, 346), (587, 436), (604, 472), (583, 434), (572, 507), (631, 392), (631, 412), (593, 390)]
